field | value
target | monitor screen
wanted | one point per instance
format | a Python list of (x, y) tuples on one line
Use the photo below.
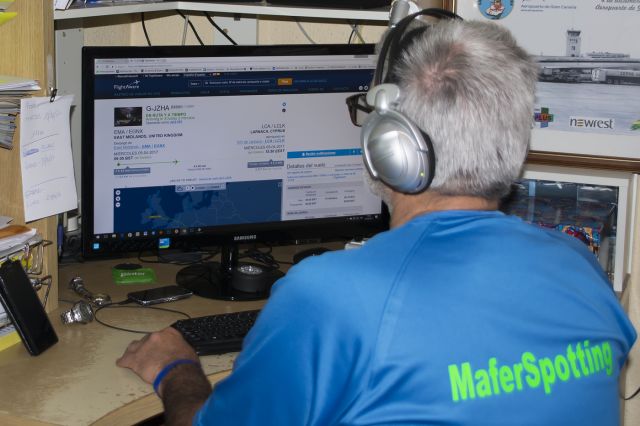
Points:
[(187, 147)]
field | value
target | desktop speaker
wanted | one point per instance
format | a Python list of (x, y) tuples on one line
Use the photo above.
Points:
[(342, 4)]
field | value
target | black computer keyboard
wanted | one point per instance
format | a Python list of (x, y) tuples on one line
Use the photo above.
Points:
[(217, 334)]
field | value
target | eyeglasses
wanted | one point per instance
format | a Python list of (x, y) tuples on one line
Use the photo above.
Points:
[(358, 108)]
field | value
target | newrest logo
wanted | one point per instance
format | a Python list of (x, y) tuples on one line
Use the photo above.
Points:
[(134, 85), (591, 123)]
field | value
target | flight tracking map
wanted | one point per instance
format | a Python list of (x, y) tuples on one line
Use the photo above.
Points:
[(195, 206)]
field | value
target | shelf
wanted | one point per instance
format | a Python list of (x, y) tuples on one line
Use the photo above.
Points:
[(248, 8)]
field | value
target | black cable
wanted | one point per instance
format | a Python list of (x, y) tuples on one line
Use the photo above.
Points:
[(122, 305), (632, 395), (192, 28), (217, 27), (206, 255), (264, 257), (144, 29), (354, 32)]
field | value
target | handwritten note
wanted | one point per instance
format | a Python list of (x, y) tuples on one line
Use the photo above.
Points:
[(48, 183)]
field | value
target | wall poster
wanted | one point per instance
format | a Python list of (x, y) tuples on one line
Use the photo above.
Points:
[(588, 96)]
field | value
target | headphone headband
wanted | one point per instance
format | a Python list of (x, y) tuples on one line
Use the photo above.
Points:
[(391, 42)]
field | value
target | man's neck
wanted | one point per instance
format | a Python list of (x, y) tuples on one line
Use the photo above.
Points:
[(407, 207)]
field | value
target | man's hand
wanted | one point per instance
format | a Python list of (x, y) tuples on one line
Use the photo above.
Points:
[(147, 356), (185, 388)]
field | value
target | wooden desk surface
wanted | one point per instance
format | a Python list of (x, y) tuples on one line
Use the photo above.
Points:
[(76, 382)]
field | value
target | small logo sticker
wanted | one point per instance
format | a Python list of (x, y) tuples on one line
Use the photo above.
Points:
[(543, 116), (495, 9)]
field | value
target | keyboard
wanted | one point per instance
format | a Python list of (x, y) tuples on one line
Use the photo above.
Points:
[(217, 334)]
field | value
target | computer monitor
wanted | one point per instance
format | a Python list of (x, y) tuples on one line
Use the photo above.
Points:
[(187, 147)]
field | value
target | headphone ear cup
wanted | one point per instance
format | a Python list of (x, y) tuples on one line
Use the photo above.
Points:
[(396, 152)]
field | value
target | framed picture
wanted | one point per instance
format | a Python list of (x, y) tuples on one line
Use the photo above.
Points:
[(587, 110), (595, 192)]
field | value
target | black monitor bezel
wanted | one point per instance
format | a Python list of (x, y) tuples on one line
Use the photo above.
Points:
[(286, 232)]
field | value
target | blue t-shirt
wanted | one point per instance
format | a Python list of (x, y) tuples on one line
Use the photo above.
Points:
[(458, 317)]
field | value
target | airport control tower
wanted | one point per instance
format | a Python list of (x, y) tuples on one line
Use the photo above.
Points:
[(573, 43)]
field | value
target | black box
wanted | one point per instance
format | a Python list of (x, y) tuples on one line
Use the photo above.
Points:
[(23, 307)]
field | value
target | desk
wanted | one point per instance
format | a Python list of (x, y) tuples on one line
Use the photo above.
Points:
[(76, 382)]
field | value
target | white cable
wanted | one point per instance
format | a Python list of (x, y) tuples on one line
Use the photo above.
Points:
[(184, 30), (305, 32)]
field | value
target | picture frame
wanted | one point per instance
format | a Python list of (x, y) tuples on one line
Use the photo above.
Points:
[(587, 110)]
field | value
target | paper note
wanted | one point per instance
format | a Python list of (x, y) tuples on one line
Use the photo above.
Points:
[(48, 183)]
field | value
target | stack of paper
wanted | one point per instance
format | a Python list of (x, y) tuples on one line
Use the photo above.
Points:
[(12, 89), (14, 236)]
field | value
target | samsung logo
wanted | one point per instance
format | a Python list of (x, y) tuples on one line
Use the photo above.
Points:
[(592, 123), (134, 85), (245, 237)]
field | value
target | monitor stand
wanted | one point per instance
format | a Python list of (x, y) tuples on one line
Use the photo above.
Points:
[(229, 279)]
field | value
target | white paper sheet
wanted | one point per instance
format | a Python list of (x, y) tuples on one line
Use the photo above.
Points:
[(48, 183)]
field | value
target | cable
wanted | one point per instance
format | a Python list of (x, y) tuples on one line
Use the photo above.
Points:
[(71, 248), (350, 40), (187, 21), (185, 27), (144, 29), (633, 395), (305, 32), (264, 257), (207, 255), (217, 27), (120, 305), (356, 32)]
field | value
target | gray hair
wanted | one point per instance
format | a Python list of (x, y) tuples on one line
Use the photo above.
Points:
[(472, 89)]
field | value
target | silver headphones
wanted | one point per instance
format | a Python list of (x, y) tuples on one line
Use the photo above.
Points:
[(395, 150)]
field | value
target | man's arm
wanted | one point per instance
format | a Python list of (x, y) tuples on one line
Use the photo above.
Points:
[(184, 388), (183, 391)]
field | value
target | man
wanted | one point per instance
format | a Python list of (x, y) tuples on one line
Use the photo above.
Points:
[(457, 315)]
